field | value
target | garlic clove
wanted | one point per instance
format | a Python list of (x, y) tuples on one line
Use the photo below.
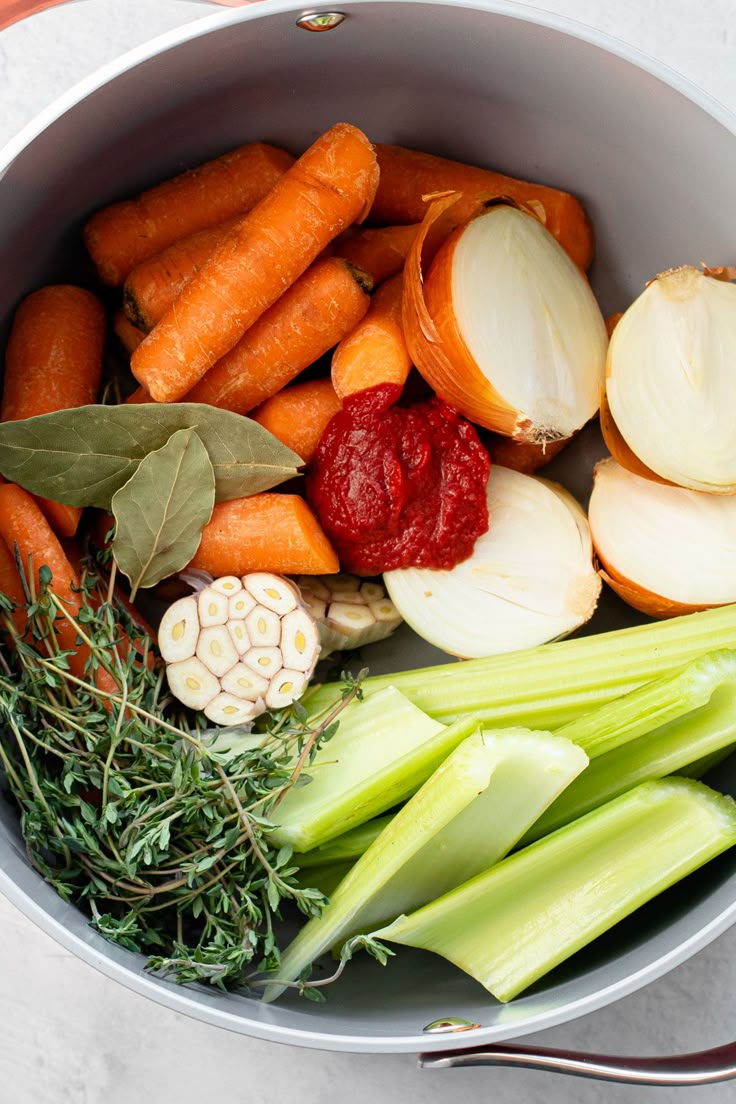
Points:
[(216, 650), (314, 585), (385, 611), (212, 607), (244, 683), (225, 709), (347, 617), (264, 627), (317, 607), (271, 591), (227, 585), (341, 582), (240, 605), (285, 688), (665, 550), (239, 635), (191, 683), (300, 643), (179, 631), (372, 592), (264, 661)]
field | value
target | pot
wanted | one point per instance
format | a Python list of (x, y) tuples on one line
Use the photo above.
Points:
[(484, 81)]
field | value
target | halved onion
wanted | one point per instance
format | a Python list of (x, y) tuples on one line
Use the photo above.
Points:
[(507, 328), (529, 580), (665, 550), (671, 384)]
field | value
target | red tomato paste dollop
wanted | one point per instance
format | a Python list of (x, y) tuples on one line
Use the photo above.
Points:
[(399, 486)]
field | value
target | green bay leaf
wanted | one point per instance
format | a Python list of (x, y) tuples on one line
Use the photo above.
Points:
[(81, 457), (162, 509)]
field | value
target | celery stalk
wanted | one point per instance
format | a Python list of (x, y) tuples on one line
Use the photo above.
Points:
[(512, 924), (384, 749), (469, 814), (548, 686), (348, 847)]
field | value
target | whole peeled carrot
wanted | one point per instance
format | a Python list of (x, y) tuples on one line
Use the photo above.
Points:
[(408, 175), (380, 251), (127, 334), (53, 362), (266, 532), (299, 415), (331, 186), (323, 305), (10, 586), (154, 284), (122, 235), (375, 351)]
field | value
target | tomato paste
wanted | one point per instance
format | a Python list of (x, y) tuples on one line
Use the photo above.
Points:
[(399, 486)]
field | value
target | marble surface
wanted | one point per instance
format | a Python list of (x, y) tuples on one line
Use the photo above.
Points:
[(71, 1036)]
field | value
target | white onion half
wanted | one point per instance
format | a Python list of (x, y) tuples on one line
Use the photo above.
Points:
[(671, 380), (666, 550), (529, 580)]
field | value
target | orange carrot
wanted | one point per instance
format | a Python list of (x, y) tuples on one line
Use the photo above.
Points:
[(331, 186), (375, 351), (298, 416), (380, 252), (122, 235), (10, 585), (154, 284), (266, 532), (408, 175), (53, 362), (127, 334), (612, 322), (326, 303), (140, 395), (521, 456)]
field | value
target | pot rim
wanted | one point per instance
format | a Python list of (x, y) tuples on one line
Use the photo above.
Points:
[(180, 999)]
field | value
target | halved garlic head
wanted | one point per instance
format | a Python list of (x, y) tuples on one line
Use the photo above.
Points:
[(349, 612), (665, 550), (523, 338), (530, 578), (242, 646), (671, 383)]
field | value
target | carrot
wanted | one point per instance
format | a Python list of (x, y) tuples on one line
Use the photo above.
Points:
[(122, 235), (380, 252), (10, 586), (521, 456), (266, 532), (127, 334), (53, 362), (408, 175), (375, 351), (140, 395), (310, 318), (154, 284), (331, 186), (298, 416), (612, 322)]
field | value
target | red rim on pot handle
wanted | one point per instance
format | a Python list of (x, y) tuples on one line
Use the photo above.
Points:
[(12, 11), (704, 1067)]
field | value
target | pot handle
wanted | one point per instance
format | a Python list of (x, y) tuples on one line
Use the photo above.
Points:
[(12, 11), (704, 1067)]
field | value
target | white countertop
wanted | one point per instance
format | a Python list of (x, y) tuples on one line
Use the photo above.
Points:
[(71, 1036)]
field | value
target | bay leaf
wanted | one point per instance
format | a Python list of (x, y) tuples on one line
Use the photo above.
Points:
[(161, 511), (81, 457)]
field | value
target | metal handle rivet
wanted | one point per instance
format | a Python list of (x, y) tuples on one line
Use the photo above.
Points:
[(320, 21)]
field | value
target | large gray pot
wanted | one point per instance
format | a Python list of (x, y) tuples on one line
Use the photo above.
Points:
[(484, 81)]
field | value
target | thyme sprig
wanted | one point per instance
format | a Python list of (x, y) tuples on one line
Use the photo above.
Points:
[(156, 827)]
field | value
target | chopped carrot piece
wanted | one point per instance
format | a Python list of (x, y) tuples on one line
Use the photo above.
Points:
[(127, 334), (331, 186), (311, 317), (379, 251), (267, 532), (299, 415), (409, 175), (122, 235), (375, 351)]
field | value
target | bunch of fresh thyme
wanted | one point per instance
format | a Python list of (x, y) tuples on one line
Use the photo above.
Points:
[(128, 809)]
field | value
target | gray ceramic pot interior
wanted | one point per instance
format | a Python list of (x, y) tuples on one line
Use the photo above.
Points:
[(509, 88)]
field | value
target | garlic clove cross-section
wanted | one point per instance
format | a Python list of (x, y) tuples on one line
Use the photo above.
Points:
[(349, 612)]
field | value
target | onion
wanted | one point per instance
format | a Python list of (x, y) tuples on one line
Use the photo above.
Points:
[(506, 328), (671, 384), (665, 550), (530, 578)]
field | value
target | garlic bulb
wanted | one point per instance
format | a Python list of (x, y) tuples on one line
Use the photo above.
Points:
[(665, 550), (671, 383), (349, 611), (507, 330), (529, 580), (239, 647)]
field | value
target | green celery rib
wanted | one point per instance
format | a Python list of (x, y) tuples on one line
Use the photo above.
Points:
[(549, 686), (349, 846), (512, 924), (384, 749), (469, 814)]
